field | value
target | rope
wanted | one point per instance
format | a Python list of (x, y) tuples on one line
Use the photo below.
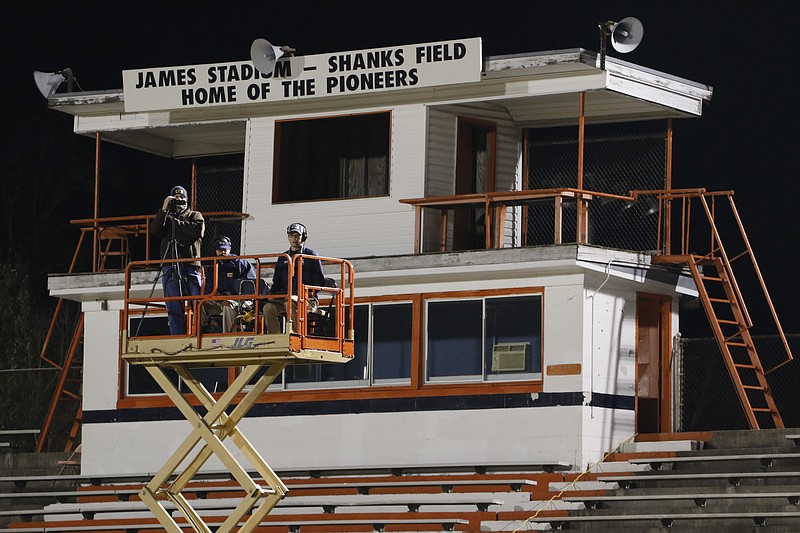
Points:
[(573, 482)]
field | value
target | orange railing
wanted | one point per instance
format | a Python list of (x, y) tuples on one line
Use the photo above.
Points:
[(701, 219), (496, 204), (336, 300), (135, 226)]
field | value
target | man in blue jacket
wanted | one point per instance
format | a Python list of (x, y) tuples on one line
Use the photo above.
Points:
[(297, 234), (230, 273)]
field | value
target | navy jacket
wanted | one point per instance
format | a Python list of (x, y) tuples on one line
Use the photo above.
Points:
[(312, 272), (229, 272)]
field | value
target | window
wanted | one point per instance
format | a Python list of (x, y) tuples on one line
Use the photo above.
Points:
[(330, 158), (484, 339), (139, 380), (391, 342), (383, 344), (464, 338)]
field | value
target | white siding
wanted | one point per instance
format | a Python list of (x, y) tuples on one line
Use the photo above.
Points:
[(339, 228), (441, 153), (545, 434), (442, 140), (441, 170), (100, 355), (611, 341), (582, 325)]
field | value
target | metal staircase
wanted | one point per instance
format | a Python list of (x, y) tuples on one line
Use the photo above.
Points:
[(724, 307), (63, 420), (721, 297)]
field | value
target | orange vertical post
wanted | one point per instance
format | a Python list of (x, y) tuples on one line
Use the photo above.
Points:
[(581, 203), (668, 186), (96, 210)]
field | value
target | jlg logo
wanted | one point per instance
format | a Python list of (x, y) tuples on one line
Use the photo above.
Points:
[(241, 342)]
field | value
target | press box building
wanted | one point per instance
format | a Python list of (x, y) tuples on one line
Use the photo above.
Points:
[(509, 300)]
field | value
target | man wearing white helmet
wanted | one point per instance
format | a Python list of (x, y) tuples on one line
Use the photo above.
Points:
[(297, 234), (181, 232)]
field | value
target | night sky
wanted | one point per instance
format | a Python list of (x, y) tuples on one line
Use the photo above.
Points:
[(747, 139)]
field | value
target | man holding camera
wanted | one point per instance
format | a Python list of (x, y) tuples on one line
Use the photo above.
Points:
[(181, 232)]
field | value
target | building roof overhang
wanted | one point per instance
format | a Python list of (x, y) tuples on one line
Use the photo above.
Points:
[(430, 272), (535, 90)]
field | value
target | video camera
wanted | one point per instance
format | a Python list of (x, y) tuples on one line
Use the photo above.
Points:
[(177, 205)]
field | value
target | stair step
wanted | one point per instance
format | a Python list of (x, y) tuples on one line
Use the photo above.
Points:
[(662, 446), (557, 486)]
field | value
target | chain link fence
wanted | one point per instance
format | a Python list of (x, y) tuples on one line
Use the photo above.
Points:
[(220, 182), (617, 160), (706, 397)]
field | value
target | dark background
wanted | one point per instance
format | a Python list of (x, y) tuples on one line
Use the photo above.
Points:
[(747, 139)]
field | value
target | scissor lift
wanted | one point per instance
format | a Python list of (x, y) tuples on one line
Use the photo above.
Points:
[(259, 357)]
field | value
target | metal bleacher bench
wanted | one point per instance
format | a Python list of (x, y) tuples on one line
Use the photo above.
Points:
[(665, 518), (316, 472), (328, 503), (766, 459), (294, 526), (446, 485), (8, 435), (734, 478), (201, 491), (699, 498)]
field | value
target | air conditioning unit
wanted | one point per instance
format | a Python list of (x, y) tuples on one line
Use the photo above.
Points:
[(509, 356)]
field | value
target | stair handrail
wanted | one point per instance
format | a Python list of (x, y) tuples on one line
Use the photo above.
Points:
[(763, 285), (686, 195), (717, 245)]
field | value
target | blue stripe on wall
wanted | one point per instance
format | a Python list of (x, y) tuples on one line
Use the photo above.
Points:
[(379, 405)]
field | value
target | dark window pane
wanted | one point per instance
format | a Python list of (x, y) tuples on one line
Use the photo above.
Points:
[(354, 369), (342, 157), (213, 379), (141, 382), (391, 344), (454, 339), (350, 371), (513, 326), (139, 379)]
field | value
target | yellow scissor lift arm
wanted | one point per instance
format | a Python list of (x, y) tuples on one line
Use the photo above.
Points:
[(259, 356)]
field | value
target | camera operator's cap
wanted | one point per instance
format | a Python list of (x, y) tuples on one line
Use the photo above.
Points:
[(179, 190), (223, 243)]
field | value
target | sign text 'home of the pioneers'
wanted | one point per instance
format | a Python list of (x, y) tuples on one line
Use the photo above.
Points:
[(335, 74)]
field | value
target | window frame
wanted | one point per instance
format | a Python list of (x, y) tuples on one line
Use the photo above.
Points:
[(418, 387), (277, 159), (484, 376)]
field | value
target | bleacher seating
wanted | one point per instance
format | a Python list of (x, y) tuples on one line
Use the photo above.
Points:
[(725, 487), (738, 481), (400, 498)]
